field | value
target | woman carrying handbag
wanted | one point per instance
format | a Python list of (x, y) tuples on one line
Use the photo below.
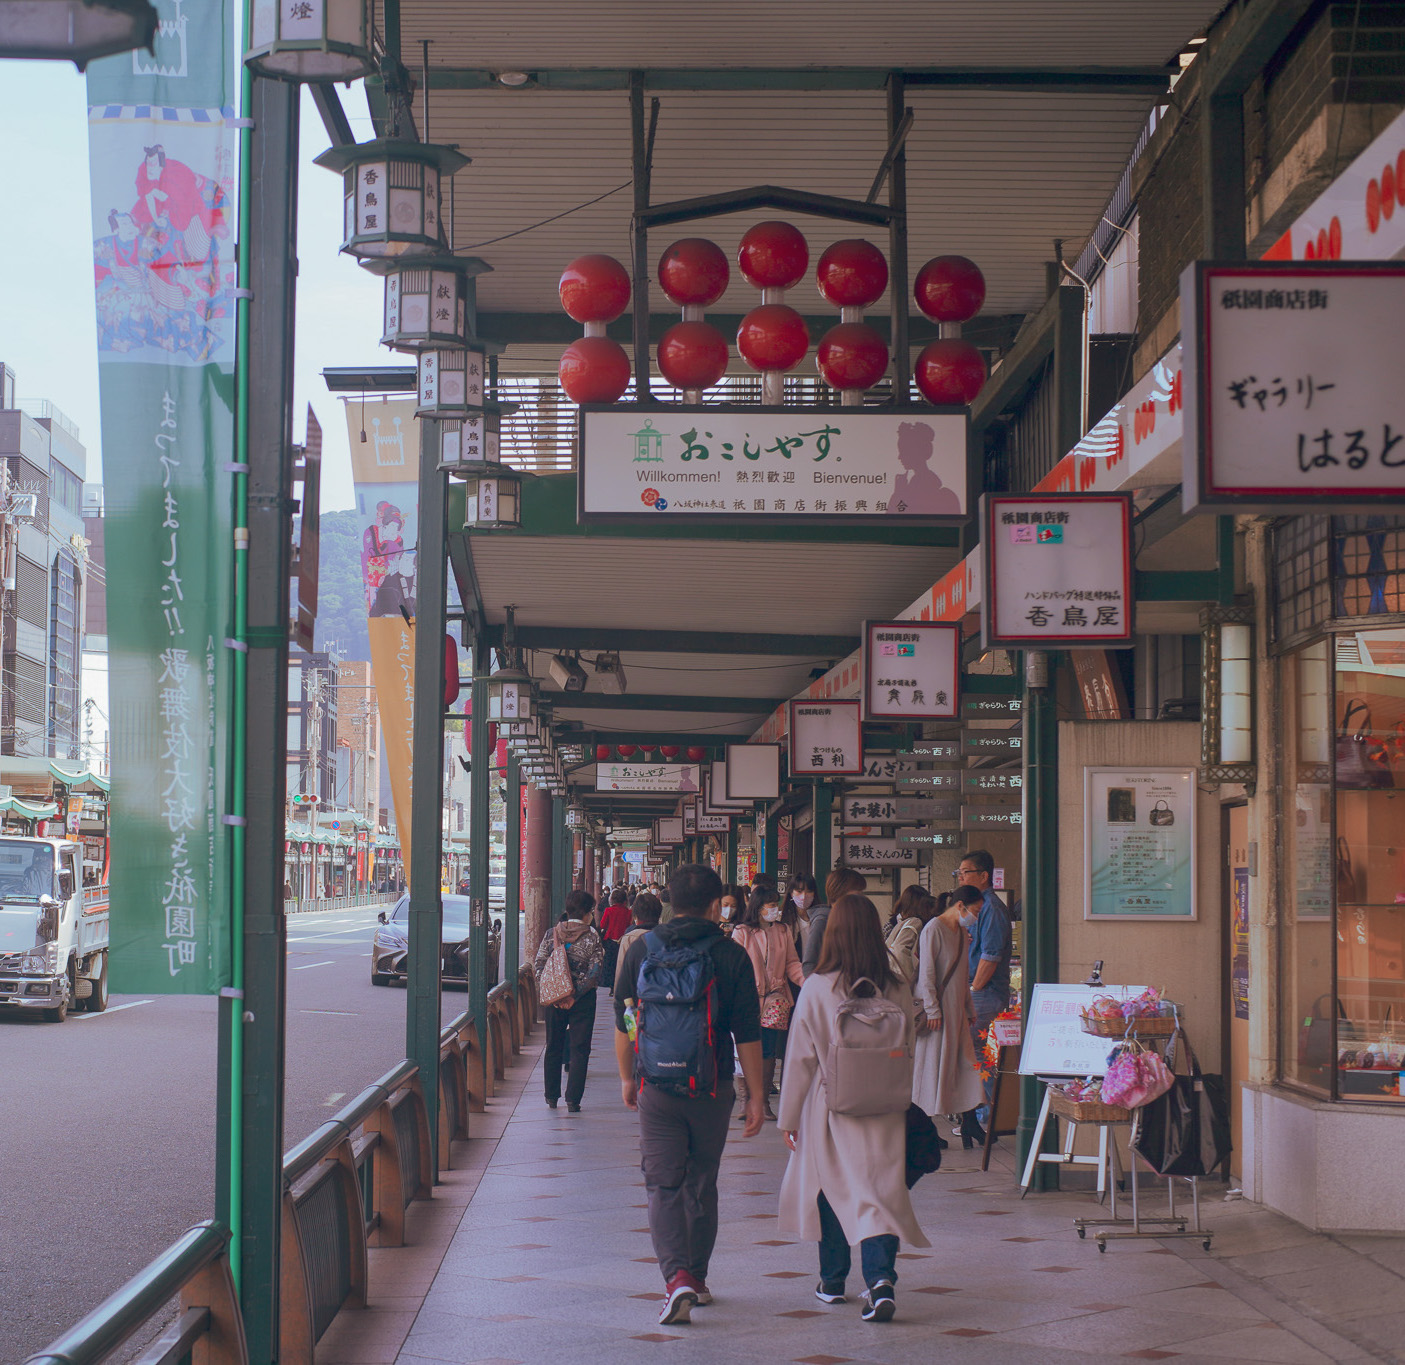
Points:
[(771, 946)]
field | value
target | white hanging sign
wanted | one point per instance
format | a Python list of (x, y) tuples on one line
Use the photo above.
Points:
[(911, 670), (826, 737), (646, 777), (865, 852), (1058, 570)]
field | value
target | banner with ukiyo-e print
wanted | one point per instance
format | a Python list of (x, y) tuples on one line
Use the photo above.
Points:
[(163, 168)]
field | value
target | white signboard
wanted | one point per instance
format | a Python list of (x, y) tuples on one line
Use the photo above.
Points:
[(778, 464), (669, 829), (753, 772), (911, 670), (628, 836), (647, 777), (881, 767), (1058, 570), (715, 790), (714, 824), (1139, 844), (897, 810), (826, 737), (866, 852), (1293, 393), (1054, 1041)]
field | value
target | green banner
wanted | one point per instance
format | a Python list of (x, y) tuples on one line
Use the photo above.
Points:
[(163, 162)]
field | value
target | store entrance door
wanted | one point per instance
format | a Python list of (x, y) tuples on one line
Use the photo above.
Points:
[(1238, 976)]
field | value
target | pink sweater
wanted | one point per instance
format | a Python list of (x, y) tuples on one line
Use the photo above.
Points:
[(773, 957)]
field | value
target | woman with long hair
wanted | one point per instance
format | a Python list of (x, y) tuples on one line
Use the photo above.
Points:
[(771, 948), (944, 1075), (846, 1178), (914, 908), (795, 908), (733, 903)]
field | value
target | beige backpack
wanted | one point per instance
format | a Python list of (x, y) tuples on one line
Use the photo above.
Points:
[(869, 1067)]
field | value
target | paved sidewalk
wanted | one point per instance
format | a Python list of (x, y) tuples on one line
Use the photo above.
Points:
[(552, 1261)]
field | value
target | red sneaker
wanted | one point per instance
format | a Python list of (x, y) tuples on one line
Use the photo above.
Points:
[(680, 1298)]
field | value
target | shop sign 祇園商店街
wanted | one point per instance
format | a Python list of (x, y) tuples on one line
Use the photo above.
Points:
[(826, 738), (911, 670)]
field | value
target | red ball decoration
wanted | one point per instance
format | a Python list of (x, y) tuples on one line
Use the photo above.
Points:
[(852, 356), (626, 750), (693, 355), (668, 750), (694, 270), (602, 753), (950, 372), (696, 753), (773, 255), (594, 288), (852, 274), (949, 289), (594, 370), (773, 337)]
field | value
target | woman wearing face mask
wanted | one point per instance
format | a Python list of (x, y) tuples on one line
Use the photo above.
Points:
[(914, 908), (771, 948), (944, 1075), (733, 902), (799, 897)]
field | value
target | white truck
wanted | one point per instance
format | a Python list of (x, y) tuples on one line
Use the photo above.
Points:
[(53, 929)]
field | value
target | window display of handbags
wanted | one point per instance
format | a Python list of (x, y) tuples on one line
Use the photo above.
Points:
[(1363, 760)]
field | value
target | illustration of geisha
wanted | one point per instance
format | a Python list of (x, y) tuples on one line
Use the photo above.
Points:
[(381, 539), (158, 273)]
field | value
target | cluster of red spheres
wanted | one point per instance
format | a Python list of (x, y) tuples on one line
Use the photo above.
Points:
[(594, 289), (950, 371), (605, 752)]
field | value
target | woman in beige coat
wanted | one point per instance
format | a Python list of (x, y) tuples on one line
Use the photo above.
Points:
[(944, 1075), (845, 1181), (910, 915)]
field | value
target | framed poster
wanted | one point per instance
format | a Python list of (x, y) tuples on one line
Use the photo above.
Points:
[(1058, 570), (718, 802), (911, 670), (669, 829), (1292, 385), (690, 816), (646, 777), (826, 738), (753, 772), (772, 464), (1139, 843)]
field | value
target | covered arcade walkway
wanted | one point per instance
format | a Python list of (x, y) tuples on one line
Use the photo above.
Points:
[(535, 1248)]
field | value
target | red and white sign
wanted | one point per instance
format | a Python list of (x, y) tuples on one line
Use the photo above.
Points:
[(826, 739), (912, 670)]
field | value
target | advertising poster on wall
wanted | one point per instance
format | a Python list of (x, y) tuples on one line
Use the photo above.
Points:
[(1139, 843)]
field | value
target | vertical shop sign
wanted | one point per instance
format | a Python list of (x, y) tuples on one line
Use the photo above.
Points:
[(162, 168), (911, 670), (1058, 570), (1139, 843), (826, 738), (1239, 965)]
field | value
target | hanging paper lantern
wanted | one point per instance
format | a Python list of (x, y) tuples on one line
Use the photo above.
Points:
[(602, 753), (696, 753), (950, 372), (852, 356), (949, 289), (773, 255), (646, 748), (692, 355), (773, 337), (626, 750), (852, 274), (594, 288), (668, 750), (694, 271), (594, 370)]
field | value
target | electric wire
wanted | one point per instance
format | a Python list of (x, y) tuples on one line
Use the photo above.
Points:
[(532, 227)]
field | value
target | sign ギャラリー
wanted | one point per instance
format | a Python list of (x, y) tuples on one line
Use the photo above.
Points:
[(911, 670)]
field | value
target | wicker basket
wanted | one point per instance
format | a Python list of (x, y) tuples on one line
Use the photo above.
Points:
[(1086, 1111), (1153, 1026)]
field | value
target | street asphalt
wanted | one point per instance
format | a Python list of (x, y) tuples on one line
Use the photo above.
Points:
[(107, 1131)]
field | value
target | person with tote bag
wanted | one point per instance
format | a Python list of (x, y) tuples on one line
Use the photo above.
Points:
[(771, 947), (843, 1111)]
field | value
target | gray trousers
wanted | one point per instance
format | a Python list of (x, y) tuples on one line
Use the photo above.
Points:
[(680, 1145)]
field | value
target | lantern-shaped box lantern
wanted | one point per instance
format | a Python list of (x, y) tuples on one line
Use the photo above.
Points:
[(430, 300), (492, 499), (465, 443), (511, 695), (452, 383), (310, 40), (392, 194), (79, 31)]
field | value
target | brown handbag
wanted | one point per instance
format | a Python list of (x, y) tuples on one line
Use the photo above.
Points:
[(1346, 875), (557, 986)]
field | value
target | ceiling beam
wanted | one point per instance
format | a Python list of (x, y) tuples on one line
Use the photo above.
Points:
[(1095, 80), (584, 638), (766, 197), (607, 701), (712, 740)]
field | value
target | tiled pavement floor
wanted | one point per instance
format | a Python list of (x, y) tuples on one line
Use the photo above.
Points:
[(551, 1261)]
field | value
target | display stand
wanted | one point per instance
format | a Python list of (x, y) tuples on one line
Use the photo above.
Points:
[(1004, 1102), (1106, 1161)]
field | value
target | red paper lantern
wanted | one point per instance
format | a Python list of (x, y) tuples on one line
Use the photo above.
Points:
[(949, 289), (852, 274), (594, 288), (694, 271), (696, 753), (773, 255), (451, 671), (646, 748), (626, 750), (852, 356), (773, 337), (602, 753), (594, 370), (668, 750), (950, 372), (692, 355)]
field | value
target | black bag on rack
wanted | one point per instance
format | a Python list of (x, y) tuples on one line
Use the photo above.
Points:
[(1186, 1130)]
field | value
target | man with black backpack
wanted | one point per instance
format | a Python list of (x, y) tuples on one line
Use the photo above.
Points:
[(695, 994)]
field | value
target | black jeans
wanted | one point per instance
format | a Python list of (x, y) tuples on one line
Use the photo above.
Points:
[(612, 952), (576, 1024), (877, 1255), (680, 1144)]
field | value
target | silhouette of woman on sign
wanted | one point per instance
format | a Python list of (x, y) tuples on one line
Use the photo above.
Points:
[(918, 491)]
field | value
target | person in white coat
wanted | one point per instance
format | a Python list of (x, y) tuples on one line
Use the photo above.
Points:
[(845, 1182)]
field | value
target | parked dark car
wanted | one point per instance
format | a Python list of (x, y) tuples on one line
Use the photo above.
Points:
[(390, 944)]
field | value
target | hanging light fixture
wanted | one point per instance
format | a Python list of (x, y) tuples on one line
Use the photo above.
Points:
[(511, 694), (452, 382), (492, 498), (430, 300), (74, 30), (392, 195), (310, 40)]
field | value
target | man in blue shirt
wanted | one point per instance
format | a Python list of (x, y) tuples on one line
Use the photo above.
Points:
[(991, 941)]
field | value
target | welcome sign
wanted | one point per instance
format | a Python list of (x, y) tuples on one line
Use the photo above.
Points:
[(774, 464)]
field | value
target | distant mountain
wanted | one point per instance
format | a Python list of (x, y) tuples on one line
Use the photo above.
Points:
[(341, 601)]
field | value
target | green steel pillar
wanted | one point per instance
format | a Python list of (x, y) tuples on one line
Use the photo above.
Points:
[(479, 846), (423, 1000), (1041, 878), (823, 831), (512, 908)]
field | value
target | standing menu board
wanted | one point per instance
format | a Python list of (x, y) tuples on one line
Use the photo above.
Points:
[(1054, 1041)]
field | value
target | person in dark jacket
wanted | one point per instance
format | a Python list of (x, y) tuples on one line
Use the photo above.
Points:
[(586, 955), (842, 881), (614, 923)]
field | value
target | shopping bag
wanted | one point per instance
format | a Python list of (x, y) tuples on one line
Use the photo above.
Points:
[(1362, 761), (1186, 1130), (1135, 1077), (924, 1147), (556, 986)]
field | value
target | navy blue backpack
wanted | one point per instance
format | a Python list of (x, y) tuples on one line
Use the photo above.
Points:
[(677, 1014)]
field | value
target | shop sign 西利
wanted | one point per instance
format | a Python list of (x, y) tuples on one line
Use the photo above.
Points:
[(933, 780), (992, 817), (936, 751), (931, 838), (826, 737), (991, 708), (1058, 570), (878, 853), (646, 777), (773, 464), (991, 783), (1293, 395), (911, 670), (992, 743)]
